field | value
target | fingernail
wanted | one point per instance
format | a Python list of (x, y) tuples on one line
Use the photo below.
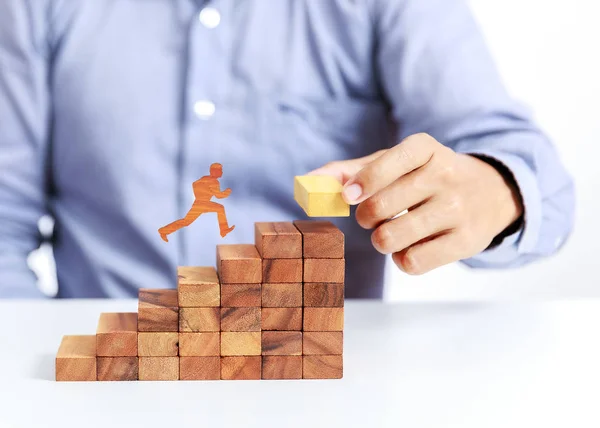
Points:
[(352, 192)]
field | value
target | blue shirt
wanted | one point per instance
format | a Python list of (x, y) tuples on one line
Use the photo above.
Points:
[(109, 110)]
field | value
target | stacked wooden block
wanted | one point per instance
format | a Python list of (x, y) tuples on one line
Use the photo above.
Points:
[(158, 327), (323, 296), (239, 268), (280, 246), (199, 323), (273, 310), (320, 196), (117, 346)]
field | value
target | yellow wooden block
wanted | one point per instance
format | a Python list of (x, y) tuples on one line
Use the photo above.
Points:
[(320, 196)]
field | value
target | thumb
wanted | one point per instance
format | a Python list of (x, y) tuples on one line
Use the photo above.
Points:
[(346, 169)]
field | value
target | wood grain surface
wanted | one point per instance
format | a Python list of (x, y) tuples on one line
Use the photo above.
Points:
[(204, 189), (200, 344), (323, 295), (240, 319), (240, 343), (282, 319), (282, 295), (117, 368), (281, 367), (282, 270), (324, 270), (323, 319), (194, 320), (322, 343), (322, 367), (241, 368), (198, 286), (278, 240), (282, 343), (76, 359), (240, 295), (239, 264), (162, 344), (158, 310), (116, 335), (159, 368), (320, 196), (321, 239), (200, 368)]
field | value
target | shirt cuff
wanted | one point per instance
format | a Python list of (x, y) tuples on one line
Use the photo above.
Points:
[(525, 240)]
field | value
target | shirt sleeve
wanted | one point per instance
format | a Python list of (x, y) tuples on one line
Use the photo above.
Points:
[(23, 138), (439, 77)]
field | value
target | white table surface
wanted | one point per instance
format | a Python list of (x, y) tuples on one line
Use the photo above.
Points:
[(406, 365)]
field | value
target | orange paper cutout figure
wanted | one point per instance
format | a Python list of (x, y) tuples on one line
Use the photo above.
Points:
[(204, 189)]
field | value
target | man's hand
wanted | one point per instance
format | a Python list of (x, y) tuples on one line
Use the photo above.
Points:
[(456, 203)]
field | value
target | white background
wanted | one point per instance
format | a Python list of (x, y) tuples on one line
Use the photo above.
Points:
[(548, 53)]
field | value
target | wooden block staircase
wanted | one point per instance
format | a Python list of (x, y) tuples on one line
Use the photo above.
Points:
[(272, 310)]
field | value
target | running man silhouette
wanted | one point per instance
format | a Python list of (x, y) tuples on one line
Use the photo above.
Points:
[(204, 189)]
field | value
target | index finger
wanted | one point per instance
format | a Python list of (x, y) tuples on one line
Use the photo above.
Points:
[(412, 153), (346, 169)]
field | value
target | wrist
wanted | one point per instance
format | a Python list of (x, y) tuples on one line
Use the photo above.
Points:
[(510, 206)]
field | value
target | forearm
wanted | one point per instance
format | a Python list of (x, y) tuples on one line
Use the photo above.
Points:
[(18, 228), (547, 192), (24, 118)]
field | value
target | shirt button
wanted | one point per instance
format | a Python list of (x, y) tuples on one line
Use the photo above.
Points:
[(209, 17), (204, 109)]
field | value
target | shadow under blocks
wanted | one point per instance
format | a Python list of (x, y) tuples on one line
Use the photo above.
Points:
[(270, 310)]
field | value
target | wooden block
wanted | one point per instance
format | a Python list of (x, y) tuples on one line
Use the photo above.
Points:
[(240, 319), (324, 270), (322, 367), (240, 295), (282, 295), (200, 344), (320, 196), (322, 343), (240, 343), (159, 368), (158, 310), (194, 320), (198, 287), (282, 343), (282, 319), (239, 264), (320, 239), (323, 295), (281, 367), (117, 368), (278, 240), (200, 368), (282, 270), (241, 368), (76, 359), (116, 335), (323, 319), (158, 344)]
